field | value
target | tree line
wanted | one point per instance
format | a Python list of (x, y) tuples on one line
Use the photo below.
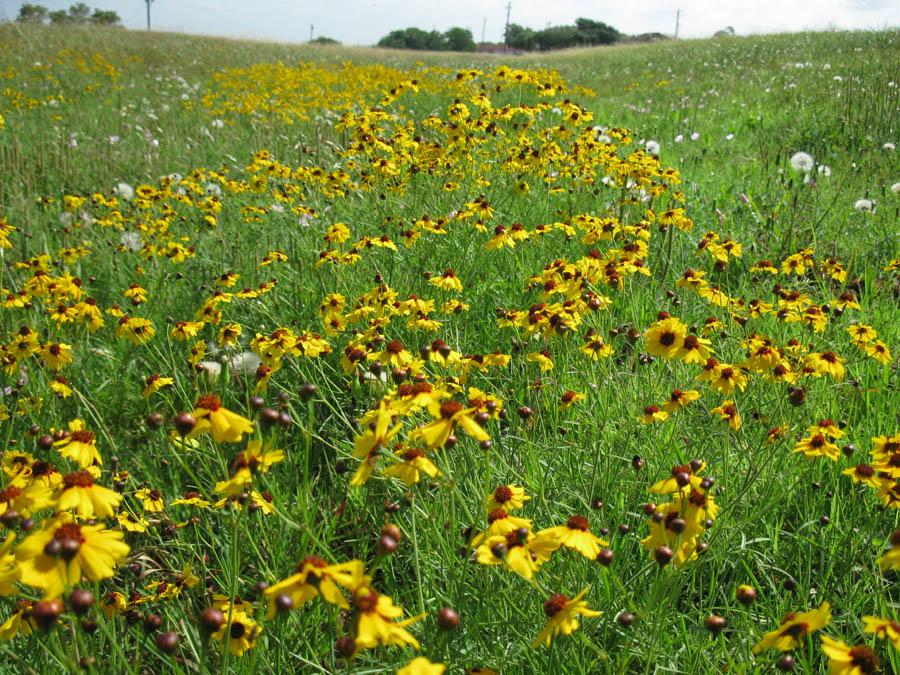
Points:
[(453, 40), (584, 33), (78, 14)]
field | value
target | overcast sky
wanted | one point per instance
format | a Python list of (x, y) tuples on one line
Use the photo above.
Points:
[(364, 22)]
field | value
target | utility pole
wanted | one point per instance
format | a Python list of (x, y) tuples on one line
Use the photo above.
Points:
[(677, 22), (506, 30), (310, 32), (148, 13), (483, 28)]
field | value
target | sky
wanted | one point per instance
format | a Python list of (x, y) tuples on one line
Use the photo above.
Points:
[(364, 22)]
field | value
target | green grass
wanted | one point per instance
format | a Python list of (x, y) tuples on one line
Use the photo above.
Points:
[(795, 529)]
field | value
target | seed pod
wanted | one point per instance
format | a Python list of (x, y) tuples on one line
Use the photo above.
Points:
[(152, 623), (715, 624), (211, 619), (625, 619), (46, 613), (283, 603), (746, 595), (392, 531), (345, 647), (663, 555), (785, 664), (447, 619), (167, 642), (184, 423), (605, 557), (80, 600), (386, 545)]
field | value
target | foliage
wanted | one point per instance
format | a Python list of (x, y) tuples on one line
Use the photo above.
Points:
[(106, 17), (60, 16), (322, 40), (32, 13), (77, 14), (455, 39), (585, 32), (459, 40), (80, 13)]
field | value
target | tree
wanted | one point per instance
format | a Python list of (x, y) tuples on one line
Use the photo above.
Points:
[(322, 40), (556, 37), (584, 32), (413, 38), (459, 40), (29, 13), (80, 13), (102, 17), (518, 37), (596, 32), (60, 16)]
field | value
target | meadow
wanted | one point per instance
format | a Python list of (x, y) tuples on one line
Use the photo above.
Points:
[(325, 359)]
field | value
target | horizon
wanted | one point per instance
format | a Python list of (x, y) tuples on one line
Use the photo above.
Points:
[(289, 23)]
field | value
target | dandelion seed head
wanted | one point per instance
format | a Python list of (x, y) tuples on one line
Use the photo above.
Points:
[(802, 161), (244, 363), (211, 368)]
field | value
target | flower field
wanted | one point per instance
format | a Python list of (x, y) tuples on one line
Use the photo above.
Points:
[(345, 360)]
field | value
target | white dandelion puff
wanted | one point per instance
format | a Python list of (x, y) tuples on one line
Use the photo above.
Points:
[(211, 369), (244, 363), (802, 161), (125, 191), (131, 241)]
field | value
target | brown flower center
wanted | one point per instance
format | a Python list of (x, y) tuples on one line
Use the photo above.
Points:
[(10, 493), (502, 494), (578, 523), (78, 479), (864, 658), (450, 408), (209, 402), (68, 531), (367, 602), (555, 604), (82, 436), (495, 515), (681, 468), (864, 471)]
